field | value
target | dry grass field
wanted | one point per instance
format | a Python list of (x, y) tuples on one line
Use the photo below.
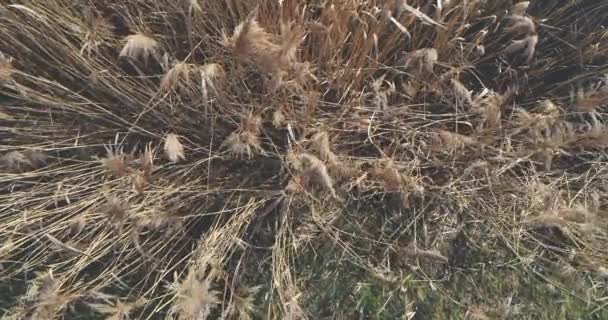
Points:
[(314, 159)]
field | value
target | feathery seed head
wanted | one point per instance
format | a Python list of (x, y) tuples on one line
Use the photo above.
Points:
[(194, 6), (179, 72), (252, 123), (461, 92), (489, 105), (37, 158), (115, 210), (274, 55), (315, 173), (194, 298), (589, 101), (278, 119), (174, 150), (323, 147), (114, 308), (244, 141), (392, 178), (6, 67), (521, 26), (527, 45), (422, 60), (242, 305), (138, 46), (115, 161), (519, 9), (211, 72), (242, 144), (77, 225), (453, 140), (15, 161), (147, 161)]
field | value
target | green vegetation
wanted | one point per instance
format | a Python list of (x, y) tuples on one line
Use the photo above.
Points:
[(349, 159)]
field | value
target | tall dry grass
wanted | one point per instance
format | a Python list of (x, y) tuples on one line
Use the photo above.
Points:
[(158, 157)]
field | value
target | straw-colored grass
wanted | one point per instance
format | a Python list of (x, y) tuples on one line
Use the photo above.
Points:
[(358, 159)]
